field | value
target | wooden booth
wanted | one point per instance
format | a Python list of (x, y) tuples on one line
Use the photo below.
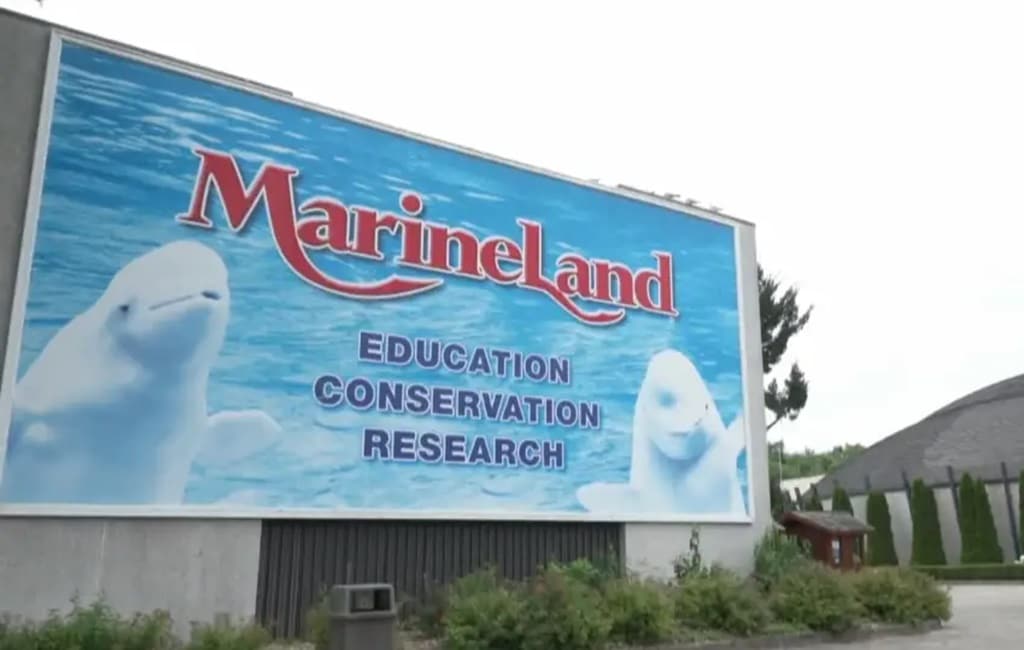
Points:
[(836, 539)]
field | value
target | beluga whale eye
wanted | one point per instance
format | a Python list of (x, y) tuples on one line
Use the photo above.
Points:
[(666, 399), (123, 308)]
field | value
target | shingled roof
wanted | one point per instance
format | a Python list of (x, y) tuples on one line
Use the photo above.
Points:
[(834, 522), (975, 434)]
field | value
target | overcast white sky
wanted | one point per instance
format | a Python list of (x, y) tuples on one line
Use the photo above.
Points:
[(878, 146)]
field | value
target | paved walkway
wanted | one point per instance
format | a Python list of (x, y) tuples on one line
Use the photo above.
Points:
[(985, 617)]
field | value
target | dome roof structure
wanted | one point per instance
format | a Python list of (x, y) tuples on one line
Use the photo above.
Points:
[(976, 434)]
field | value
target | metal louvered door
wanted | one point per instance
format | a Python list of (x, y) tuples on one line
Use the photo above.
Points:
[(299, 559)]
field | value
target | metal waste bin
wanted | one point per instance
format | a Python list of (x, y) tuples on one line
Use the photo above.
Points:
[(363, 617)]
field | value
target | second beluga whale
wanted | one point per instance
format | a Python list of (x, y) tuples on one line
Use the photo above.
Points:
[(114, 409)]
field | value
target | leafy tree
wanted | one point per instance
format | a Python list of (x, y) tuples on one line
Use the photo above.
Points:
[(841, 501), (881, 548), (809, 462), (781, 319), (989, 550), (926, 547)]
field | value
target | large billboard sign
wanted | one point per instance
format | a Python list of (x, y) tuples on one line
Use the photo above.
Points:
[(230, 302)]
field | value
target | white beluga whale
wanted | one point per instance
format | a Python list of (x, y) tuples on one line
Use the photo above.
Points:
[(683, 456), (114, 408)]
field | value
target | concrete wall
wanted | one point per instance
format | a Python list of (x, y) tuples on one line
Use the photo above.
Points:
[(193, 569)]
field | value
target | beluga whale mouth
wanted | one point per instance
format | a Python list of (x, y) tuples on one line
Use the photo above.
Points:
[(206, 295)]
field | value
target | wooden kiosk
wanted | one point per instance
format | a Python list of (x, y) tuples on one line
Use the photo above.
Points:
[(836, 539)]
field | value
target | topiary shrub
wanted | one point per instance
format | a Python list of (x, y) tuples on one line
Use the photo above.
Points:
[(968, 521), (719, 600), (881, 549), (841, 501), (774, 556), (640, 612), (900, 596), (926, 545), (817, 598), (483, 613), (989, 549), (561, 612)]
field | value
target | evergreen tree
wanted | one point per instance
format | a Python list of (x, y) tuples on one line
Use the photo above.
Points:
[(881, 548), (841, 501), (813, 502), (989, 550), (781, 319), (968, 521), (927, 547)]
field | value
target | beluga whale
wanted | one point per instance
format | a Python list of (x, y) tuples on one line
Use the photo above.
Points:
[(114, 408), (683, 456)]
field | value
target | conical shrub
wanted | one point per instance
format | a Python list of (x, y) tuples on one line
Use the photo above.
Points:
[(926, 547), (841, 501), (989, 550), (881, 548)]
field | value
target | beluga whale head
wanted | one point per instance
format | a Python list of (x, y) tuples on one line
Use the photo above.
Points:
[(675, 411), (167, 308)]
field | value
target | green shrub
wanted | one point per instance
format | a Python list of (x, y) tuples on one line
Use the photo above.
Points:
[(94, 627), (719, 600), (815, 597), (841, 501), (926, 545), (562, 612), (902, 596), (483, 613), (640, 612), (968, 522), (813, 502), (980, 572), (774, 556), (989, 550), (881, 549), (229, 637), (318, 623)]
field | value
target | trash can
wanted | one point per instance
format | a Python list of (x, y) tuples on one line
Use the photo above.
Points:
[(363, 617)]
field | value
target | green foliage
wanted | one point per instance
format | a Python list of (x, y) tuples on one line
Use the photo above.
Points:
[(483, 613), (93, 627), (816, 597), (776, 555), (687, 564), (640, 612), (980, 572), (318, 624), (881, 549), (1020, 502), (901, 596), (718, 600), (813, 501), (841, 501), (927, 547), (781, 319), (989, 549), (809, 462), (562, 612), (968, 522), (229, 637)]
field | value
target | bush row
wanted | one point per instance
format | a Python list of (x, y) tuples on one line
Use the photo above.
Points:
[(975, 572)]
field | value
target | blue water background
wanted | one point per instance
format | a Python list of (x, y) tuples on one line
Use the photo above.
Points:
[(120, 168)]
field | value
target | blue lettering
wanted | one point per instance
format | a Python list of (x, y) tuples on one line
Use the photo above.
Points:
[(324, 390), (359, 393), (479, 363), (455, 449), (529, 460), (560, 372), (566, 413), (389, 396), (535, 367), (430, 447), (444, 401), (371, 347), (553, 453), (416, 399), (480, 453), (428, 357), (375, 444), (399, 350), (404, 446), (468, 404), (449, 357), (533, 409), (502, 358), (590, 415), (492, 404), (505, 452), (513, 410)]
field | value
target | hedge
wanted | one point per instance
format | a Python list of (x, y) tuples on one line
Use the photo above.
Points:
[(841, 501), (926, 545), (984, 572), (881, 548)]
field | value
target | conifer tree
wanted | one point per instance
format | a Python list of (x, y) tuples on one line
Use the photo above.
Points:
[(926, 546), (881, 548), (989, 550), (1020, 514), (968, 521), (841, 501), (813, 502)]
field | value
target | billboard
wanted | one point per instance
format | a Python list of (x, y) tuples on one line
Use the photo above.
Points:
[(229, 302)]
